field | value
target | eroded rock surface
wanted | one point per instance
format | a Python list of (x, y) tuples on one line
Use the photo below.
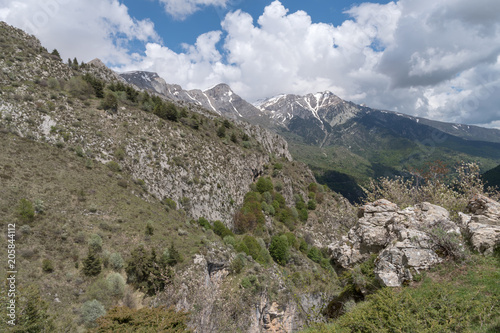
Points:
[(401, 238), (482, 226)]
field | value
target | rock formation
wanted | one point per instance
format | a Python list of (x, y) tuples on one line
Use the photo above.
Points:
[(482, 227), (403, 239)]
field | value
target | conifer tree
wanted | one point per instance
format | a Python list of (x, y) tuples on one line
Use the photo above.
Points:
[(91, 264), (56, 53)]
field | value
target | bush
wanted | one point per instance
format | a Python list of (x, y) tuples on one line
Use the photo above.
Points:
[(278, 186), (238, 264), (78, 87), (95, 243), (278, 249), (448, 244), (110, 102), (229, 240), (144, 270), (264, 184), (116, 285), (53, 83), (251, 246), (303, 214), (114, 166), (25, 210), (221, 131), (90, 311), (116, 261), (311, 204), (39, 206), (167, 111), (205, 224), (314, 254), (47, 266), (170, 203), (159, 319), (149, 229), (221, 230)]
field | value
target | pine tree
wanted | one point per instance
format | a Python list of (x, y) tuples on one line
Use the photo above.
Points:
[(33, 314), (56, 53), (91, 264), (75, 63)]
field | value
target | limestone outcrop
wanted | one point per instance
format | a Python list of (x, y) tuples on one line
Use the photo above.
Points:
[(403, 239), (482, 226)]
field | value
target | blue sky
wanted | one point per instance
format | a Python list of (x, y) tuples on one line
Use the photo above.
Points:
[(434, 59), (175, 31)]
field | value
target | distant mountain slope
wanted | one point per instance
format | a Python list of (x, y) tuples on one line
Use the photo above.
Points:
[(341, 141), (492, 177)]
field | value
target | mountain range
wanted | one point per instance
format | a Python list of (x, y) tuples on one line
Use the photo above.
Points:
[(344, 143)]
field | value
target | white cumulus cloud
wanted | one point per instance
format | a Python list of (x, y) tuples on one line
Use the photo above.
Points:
[(82, 29), (436, 59), (180, 9)]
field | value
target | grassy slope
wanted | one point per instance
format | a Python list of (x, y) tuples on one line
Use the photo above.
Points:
[(450, 298), (71, 192)]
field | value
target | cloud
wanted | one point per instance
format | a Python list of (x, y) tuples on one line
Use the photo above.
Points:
[(85, 29), (435, 59), (180, 9)]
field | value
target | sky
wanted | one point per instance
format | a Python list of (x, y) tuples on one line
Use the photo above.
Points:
[(433, 59)]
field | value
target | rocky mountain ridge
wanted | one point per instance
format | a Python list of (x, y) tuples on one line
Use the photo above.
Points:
[(345, 143)]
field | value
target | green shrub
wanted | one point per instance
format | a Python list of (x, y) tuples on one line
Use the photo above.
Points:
[(303, 214), (221, 131), (205, 224), (120, 154), (311, 204), (221, 230), (149, 229), (314, 254), (144, 270), (95, 243), (78, 87), (114, 166), (238, 263), (116, 285), (174, 257), (278, 186), (170, 203), (25, 210), (39, 206), (158, 319), (167, 111), (292, 240), (90, 311), (110, 102), (279, 249), (264, 184), (229, 240), (53, 83), (116, 261), (47, 266), (251, 246)]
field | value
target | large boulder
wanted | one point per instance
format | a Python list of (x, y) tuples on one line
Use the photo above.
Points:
[(482, 226), (403, 239)]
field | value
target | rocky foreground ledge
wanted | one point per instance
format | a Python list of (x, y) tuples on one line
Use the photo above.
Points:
[(416, 238)]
